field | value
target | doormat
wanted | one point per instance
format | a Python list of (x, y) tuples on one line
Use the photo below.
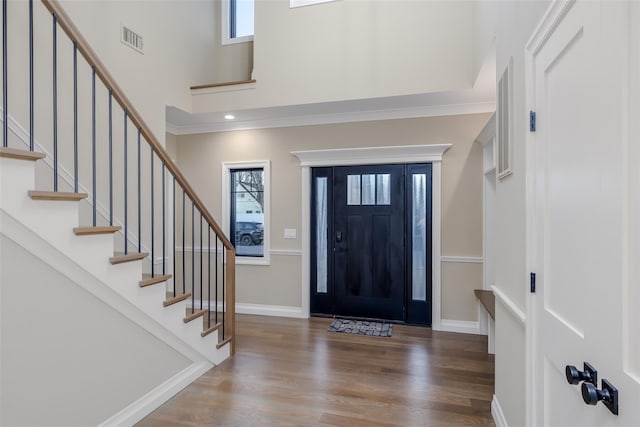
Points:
[(361, 327)]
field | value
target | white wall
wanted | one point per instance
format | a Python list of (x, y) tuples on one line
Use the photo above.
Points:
[(66, 357), (511, 23), (351, 50), (179, 38), (231, 62)]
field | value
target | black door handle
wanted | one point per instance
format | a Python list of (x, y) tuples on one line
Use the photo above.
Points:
[(608, 395), (339, 236), (574, 376)]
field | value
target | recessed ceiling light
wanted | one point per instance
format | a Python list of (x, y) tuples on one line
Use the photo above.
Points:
[(229, 117)]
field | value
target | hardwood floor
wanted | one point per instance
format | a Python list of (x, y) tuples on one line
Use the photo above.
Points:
[(290, 372)]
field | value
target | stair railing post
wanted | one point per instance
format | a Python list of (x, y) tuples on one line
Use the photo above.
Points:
[(110, 156), (75, 117), (153, 237), (193, 255), (174, 237), (164, 240), (201, 294), (231, 298), (31, 79), (126, 186), (55, 102), (93, 142), (5, 77), (139, 193)]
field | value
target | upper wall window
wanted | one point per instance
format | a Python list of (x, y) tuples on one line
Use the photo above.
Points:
[(237, 21)]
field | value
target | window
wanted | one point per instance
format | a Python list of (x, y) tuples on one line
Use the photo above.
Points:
[(368, 189), (246, 209), (237, 21), (503, 114)]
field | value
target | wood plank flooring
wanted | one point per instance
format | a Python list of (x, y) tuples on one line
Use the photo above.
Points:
[(291, 372)]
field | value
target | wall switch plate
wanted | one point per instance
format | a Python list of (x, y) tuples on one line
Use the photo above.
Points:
[(289, 233)]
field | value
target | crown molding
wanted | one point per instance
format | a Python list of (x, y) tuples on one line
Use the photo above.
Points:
[(372, 155), (322, 119)]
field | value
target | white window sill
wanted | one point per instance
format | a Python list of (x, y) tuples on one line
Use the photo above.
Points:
[(242, 260), (236, 40)]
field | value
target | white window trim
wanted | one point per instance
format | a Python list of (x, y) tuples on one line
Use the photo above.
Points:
[(224, 25), (226, 171)]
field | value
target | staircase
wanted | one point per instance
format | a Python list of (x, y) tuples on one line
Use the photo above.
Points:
[(53, 216), (124, 227)]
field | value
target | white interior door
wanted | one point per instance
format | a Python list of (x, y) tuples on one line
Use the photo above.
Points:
[(584, 240)]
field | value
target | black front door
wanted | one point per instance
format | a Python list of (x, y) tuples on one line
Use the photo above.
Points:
[(370, 240), (368, 233)]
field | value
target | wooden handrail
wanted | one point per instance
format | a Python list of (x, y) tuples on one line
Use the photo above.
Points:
[(101, 71)]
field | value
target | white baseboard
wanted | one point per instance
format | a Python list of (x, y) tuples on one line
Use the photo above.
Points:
[(460, 326), (497, 414), (261, 309), (156, 397)]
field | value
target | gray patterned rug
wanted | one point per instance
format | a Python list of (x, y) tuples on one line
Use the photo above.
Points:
[(361, 327)]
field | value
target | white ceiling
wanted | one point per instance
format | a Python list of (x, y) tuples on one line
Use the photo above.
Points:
[(479, 99)]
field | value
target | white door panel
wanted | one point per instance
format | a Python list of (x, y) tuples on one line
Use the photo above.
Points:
[(583, 205)]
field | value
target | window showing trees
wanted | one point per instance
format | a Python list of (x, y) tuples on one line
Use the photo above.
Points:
[(247, 205)]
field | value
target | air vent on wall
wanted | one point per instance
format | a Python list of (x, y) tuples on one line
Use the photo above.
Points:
[(131, 39)]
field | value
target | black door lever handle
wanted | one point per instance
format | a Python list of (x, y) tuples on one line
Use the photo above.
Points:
[(574, 376)]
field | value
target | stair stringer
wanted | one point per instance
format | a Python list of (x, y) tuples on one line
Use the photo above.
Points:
[(53, 223), (138, 409)]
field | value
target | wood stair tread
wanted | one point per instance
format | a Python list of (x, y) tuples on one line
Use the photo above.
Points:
[(211, 329), (119, 258), (223, 343), (57, 196), (14, 153), (194, 315), (90, 231), (176, 299), (147, 280)]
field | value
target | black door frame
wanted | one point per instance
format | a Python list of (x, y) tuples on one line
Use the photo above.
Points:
[(415, 312)]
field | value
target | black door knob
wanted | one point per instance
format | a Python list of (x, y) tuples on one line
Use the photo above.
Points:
[(608, 395), (574, 376), (591, 395)]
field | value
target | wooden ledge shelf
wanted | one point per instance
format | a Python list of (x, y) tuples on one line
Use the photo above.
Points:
[(14, 153), (121, 258), (214, 85), (147, 280), (488, 301), (90, 231), (57, 196)]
